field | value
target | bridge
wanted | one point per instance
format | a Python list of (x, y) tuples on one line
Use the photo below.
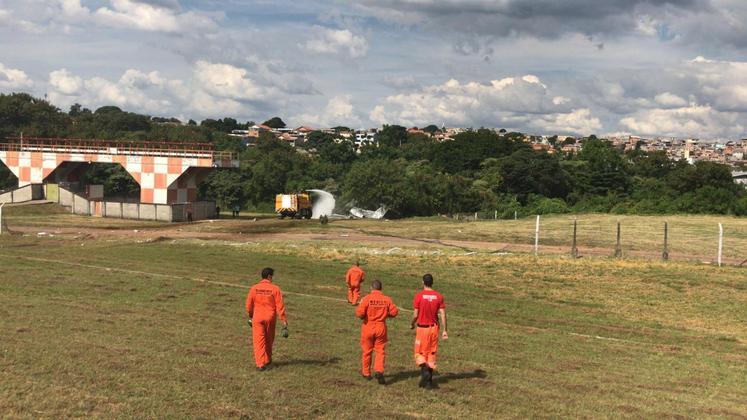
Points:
[(167, 172)]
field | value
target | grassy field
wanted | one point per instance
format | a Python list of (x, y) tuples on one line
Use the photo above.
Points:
[(691, 237), (118, 327)]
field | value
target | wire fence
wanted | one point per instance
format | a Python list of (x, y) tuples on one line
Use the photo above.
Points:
[(676, 237)]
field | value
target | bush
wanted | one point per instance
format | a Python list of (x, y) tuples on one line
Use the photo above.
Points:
[(544, 205)]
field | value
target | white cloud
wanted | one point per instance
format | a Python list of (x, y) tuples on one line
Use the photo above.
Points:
[(339, 111), (213, 90), (333, 41), (225, 80), (667, 99), (513, 101), (155, 16), (699, 121), (64, 82), (12, 79), (578, 121)]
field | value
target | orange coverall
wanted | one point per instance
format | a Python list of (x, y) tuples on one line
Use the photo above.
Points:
[(374, 309), (354, 278), (263, 304)]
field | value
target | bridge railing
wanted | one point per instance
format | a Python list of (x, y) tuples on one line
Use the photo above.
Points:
[(116, 147)]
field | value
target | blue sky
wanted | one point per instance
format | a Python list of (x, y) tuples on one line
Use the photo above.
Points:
[(647, 67)]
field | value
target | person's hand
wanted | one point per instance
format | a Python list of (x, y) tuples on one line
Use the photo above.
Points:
[(249, 321), (284, 331), (444, 335)]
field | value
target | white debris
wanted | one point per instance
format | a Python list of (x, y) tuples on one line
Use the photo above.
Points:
[(369, 214)]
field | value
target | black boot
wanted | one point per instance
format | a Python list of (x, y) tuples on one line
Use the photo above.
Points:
[(429, 384), (380, 378), (423, 376)]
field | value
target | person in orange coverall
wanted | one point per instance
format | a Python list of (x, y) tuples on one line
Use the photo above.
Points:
[(428, 306), (354, 277), (374, 309), (264, 304)]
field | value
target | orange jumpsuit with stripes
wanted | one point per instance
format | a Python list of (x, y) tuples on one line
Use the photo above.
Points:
[(427, 302), (374, 309), (264, 304), (354, 278)]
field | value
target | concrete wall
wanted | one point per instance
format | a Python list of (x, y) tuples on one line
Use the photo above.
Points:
[(139, 211), (147, 211), (25, 193), (112, 209), (81, 206), (164, 213), (130, 210), (66, 197)]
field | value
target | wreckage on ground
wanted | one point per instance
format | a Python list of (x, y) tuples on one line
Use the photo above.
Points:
[(359, 213)]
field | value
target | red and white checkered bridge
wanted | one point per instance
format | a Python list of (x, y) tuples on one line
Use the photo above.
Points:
[(168, 172)]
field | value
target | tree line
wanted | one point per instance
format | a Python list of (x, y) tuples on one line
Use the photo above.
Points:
[(411, 174)]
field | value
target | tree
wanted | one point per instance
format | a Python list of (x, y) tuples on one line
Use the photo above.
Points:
[(392, 136), (376, 182), (274, 122), (431, 129), (528, 172), (608, 172)]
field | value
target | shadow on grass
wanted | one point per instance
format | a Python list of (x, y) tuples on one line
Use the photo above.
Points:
[(437, 379), (307, 362)]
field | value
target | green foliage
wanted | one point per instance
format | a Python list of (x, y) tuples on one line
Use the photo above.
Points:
[(274, 122), (412, 174), (392, 136)]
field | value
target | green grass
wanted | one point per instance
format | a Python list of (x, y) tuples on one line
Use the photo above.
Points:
[(529, 337)]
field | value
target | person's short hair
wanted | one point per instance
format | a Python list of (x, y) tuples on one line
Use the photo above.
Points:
[(267, 272), (376, 285), (358, 263), (428, 280)]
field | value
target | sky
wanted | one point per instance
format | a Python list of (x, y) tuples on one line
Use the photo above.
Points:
[(574, 67)]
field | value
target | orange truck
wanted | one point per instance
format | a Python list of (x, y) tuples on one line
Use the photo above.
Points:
[(293, 205)]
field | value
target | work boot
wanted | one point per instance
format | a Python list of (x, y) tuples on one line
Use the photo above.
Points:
[(262, 368), (368, 378), (380, 378), (423, 376), (430, 384)]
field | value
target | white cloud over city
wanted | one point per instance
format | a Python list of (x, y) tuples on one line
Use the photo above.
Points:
[(649, 67)]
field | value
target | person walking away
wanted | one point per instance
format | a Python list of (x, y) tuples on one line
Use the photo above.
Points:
[(354, 277), (374, 310), (428, 306), (264, 304)]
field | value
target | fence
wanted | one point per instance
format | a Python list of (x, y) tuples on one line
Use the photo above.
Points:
[(678, 237), (180, 212), (26, 193)]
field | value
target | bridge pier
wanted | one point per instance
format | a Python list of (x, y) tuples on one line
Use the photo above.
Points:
[(166, 172)]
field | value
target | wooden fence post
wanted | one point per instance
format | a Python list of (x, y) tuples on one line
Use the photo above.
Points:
[(618, 246), (536, 236), (665, 253), (574, 249), (720, 242)]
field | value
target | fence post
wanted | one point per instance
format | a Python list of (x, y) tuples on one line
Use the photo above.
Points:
[(720, 242), (574, 249), (618, 246), (515, 215), (496, 215), (475, 215), (536, 236), (665, 253), (1, 218)]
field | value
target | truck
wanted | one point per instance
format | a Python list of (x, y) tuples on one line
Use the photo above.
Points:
[(297, 205)]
